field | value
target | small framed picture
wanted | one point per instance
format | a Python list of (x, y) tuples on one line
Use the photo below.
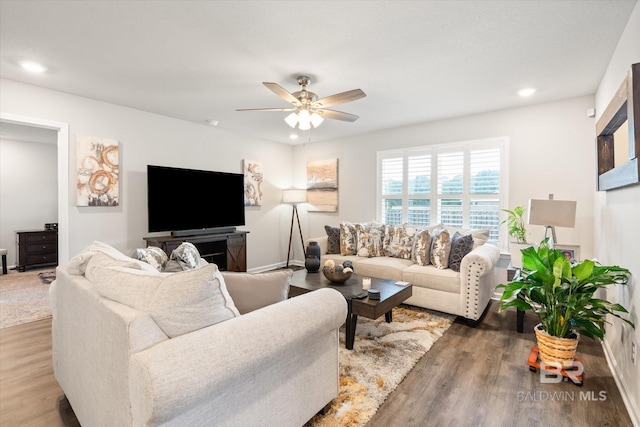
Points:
[(571, 252)]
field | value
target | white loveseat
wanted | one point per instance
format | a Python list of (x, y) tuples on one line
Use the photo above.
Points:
[(466, 293), (123, 365)]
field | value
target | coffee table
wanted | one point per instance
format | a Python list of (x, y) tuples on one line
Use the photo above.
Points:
[(391, 295)]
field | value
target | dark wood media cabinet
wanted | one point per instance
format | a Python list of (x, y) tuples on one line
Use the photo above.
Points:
[(37, 248), (227, 250)]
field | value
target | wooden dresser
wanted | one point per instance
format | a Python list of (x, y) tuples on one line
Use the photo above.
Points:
[(37, 248)]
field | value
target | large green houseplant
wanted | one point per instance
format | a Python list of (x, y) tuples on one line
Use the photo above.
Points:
[(563, 294), (518, 232)]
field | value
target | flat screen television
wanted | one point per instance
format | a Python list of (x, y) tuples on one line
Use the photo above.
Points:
[(189, 201)]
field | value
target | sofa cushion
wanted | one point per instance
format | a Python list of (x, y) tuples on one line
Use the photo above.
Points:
[(78, 264), (432, 277), (460, 247), (369, 240), (440, 248), (398, 240), (253, 291), (382, 267), (421, 250), (333, 239), (348, 239), (179, 302), (480, 237), (152, 255)]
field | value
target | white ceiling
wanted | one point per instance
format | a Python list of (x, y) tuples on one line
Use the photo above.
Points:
[(417, 61)]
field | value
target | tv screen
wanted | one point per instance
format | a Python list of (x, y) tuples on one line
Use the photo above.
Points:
[(193, 200)]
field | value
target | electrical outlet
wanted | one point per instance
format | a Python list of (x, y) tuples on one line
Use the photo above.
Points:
[(633, 353)]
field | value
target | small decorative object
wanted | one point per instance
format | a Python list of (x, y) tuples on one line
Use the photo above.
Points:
[(312, 261), (366, 282), (562, 294), (336, 273), (374, 294)]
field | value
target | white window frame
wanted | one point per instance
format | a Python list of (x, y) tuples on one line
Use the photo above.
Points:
[(434, 150)]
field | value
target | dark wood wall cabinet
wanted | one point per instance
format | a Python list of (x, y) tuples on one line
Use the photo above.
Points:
[(37, 248), (227, 250)]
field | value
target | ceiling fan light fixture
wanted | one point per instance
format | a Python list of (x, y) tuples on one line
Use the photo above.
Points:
[(292, 119), (304, 120), (316, 120)]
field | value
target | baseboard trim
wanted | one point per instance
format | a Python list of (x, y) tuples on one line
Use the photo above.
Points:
[(274, 266), (634, 412)]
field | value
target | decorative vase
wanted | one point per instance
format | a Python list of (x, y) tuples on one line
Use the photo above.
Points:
[(312, 261), (555, 350)]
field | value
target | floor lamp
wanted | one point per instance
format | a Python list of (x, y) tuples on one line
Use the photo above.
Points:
[(294, 196), (552, 213)]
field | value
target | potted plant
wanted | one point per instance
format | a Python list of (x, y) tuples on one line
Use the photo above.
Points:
[(563, 296), (518, 233)]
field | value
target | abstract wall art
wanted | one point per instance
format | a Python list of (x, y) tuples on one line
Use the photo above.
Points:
[(322, 185), (97, 171), (252, 182)]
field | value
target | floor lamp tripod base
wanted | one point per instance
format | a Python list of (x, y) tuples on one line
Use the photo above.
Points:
[(295, 215)]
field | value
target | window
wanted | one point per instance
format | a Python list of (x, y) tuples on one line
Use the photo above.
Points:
[(461, 185)]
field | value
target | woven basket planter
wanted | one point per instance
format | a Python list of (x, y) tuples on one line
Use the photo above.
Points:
[(556, 350)]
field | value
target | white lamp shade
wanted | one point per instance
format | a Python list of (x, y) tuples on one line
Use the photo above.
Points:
[(556, 213), (292, 119), (316, 120), (294, 196)]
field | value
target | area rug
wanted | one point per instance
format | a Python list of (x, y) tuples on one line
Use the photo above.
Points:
[(382, 355), (24, 297)]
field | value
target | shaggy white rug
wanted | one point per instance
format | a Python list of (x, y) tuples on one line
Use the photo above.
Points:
[(382, 355), (24, 297)]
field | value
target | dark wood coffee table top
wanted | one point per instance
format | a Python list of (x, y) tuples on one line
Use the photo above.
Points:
[(391, 295)]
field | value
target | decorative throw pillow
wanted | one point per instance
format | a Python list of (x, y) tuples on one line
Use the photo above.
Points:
[(398, 240), (348, 238), (78, 264), (480, 236), (421, 251), (152, 255), (333, 239), (461, 245), (440, 248), (187, 256), (369, 240), (179, 303)]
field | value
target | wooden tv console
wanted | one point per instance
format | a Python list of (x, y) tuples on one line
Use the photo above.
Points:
[(227, 250)]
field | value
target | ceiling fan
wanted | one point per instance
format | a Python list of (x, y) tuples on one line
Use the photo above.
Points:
[(309, 111)]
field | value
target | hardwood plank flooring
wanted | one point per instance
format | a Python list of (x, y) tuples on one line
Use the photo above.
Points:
[(470, 377), (480, 377)]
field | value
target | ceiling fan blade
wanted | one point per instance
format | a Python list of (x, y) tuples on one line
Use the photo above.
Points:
[(265, 109), (282, 93), (340, 98), (337, 115)]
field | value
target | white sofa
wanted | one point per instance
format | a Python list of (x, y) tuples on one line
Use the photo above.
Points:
[(466, 293), (276, 365)]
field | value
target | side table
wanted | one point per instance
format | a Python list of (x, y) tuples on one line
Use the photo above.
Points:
[(511, 272)]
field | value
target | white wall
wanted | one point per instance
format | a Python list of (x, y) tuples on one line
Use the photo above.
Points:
[(147, 138), (617, 231), (28, 189), (551, 151)]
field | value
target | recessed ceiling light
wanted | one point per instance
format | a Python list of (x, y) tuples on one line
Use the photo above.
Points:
[(528, 91), (293, 136), (212, 122), (33, 67)]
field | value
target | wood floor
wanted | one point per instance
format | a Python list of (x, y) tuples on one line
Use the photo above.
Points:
[(470, 377)]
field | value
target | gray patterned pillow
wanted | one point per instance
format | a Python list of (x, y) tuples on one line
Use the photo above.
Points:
[(461, 245), (369, 240), (421, 251), (187, 256), (333, 239), (348, 238), (440, 248), (152, 255), (398, 240)]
